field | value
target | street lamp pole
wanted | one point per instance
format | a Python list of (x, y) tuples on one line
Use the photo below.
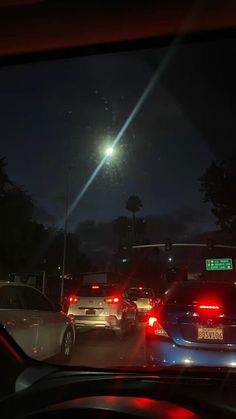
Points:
[(108, 153), (65, 237)]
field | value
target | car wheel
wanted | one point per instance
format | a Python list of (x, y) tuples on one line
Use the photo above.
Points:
[(67, 345), (121, 332)]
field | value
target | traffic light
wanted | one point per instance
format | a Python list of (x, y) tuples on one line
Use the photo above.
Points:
[(124, 255), (168, 245), (210, 244)]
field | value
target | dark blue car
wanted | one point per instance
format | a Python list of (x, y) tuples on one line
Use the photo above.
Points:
[(194, 325)]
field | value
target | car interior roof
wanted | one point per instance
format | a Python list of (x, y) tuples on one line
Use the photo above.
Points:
[(44, 25)]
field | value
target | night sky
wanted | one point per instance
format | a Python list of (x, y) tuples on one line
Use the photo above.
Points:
[(64, 113)]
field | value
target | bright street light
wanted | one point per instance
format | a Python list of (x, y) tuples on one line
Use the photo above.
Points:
[(109, 151)]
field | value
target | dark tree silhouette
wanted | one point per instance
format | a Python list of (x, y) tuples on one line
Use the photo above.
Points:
[(5, 182), (218, 184), (16, 209), (121, 228), (141, 230), (24, 243), (134, 204)]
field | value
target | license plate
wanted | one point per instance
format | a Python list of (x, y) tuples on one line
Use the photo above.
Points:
[(90, 312), (210, 333)]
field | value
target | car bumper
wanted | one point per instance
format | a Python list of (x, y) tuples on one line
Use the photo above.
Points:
[(106, 322), (143, 313), (163, 353)]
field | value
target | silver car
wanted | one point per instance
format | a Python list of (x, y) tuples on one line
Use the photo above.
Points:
[(41, 330), (103, 306), (144, 298)]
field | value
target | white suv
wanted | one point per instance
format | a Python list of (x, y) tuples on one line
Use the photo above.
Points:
[(102, 306)]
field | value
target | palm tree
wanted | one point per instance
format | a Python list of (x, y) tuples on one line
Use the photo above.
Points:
[(133, 204)]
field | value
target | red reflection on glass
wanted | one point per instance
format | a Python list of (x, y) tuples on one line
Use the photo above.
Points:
[(177, 412), (10, 349)]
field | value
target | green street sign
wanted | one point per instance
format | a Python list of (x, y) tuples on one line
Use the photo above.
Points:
[(219, 264)]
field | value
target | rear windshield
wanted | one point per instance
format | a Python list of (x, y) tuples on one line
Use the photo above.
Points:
[(146, 293), (96, 291), (222, 294)]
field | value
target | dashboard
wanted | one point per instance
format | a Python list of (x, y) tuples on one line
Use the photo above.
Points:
[(54, 393)]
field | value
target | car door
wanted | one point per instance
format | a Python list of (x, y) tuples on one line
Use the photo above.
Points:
[(50, 322), (17, 320)]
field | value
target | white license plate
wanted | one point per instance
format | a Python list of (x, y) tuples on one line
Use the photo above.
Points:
[(91, 312), (210, 333)]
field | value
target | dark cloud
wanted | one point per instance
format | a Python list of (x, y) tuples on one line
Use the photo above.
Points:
[(181, 224)]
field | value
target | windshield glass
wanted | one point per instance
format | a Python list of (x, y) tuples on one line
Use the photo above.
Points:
[(117, 179), (96, 291), (141, 293)]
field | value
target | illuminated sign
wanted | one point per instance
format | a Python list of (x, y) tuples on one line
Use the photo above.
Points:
[(219, 264)]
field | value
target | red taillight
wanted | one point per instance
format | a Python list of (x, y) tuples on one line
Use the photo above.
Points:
[(95, 287), (112, 300), (151, 321), (73, 299), (111, 318), (209, 307), (154, 327), (140, 288)]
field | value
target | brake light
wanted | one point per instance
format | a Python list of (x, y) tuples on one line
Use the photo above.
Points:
[(112, 300), (151, 321), (154, 327), (73, 299), (140, 288), (95, 287), (209, 307)]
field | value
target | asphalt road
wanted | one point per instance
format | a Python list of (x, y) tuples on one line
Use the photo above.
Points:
[(100, 349)]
